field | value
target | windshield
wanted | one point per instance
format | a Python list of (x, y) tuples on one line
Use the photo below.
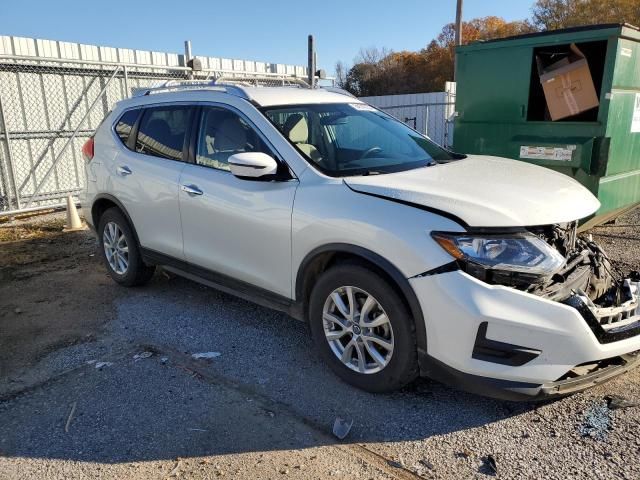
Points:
[(343, 139)]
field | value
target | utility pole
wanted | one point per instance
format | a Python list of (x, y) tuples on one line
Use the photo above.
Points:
[(458, 35), (187, 57), (311, 62)]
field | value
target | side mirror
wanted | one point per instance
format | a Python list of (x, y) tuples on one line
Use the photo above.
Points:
[(252, 165)]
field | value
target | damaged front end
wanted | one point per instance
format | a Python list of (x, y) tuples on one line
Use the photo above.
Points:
[(555, 263), (577, 326), (606, 299)]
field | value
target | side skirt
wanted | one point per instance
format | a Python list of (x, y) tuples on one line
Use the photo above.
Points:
[(224, 283)]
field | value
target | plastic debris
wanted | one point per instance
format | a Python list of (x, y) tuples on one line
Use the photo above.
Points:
[(164, 360), (426, 463), (615, 402), (491, 464), (394, 464), (70, 417), (206, 355), (100, 365), (145, 354), (341, 427), (176, 469), (596, 422)]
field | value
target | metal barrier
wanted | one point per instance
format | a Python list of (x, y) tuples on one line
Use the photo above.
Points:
[(432, 119), (50, 106), (431, 114)]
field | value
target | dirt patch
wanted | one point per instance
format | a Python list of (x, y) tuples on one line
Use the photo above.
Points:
[(55, 291), (25, 230), (621, 241)]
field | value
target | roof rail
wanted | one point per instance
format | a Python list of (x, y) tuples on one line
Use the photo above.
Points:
[(341, 91), (229, 84), (262, 81), (186, 85)]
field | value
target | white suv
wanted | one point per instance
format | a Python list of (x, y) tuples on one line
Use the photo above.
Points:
[(406, 259)]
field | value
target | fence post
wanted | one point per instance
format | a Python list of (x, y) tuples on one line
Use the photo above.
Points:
[(426, 121), (12, 175), (126, 81)]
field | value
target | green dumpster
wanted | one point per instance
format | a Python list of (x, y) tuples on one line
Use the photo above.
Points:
[(503, 100)]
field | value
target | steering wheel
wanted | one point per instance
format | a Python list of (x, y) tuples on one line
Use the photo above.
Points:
[(370, 151)]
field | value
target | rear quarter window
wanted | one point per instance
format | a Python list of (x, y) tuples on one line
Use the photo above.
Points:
[(125, 124)]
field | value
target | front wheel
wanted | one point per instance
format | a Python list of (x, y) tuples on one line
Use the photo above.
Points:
[(363, 329)]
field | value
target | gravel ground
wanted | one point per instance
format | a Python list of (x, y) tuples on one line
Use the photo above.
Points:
[(264, 407)]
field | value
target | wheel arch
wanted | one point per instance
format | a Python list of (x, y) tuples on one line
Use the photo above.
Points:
[(104, 202), (322, 258)]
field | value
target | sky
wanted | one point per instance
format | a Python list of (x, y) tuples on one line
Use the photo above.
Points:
[(270, 31)]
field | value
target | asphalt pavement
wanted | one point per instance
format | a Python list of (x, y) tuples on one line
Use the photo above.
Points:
[(264, 405)]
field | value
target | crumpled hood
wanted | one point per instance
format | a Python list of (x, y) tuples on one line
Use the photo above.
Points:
[(486, 191)]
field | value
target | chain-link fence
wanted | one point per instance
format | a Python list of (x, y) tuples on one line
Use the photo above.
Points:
[(50, 107), (47, 111)]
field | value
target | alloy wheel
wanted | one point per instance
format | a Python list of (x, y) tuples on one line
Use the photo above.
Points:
[(116, 248), (358, 330)]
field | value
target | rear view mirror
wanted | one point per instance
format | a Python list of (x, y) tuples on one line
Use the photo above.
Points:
[(252, 165)]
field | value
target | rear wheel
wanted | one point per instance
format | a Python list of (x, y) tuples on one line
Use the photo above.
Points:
[(120, 250), (362, 329)]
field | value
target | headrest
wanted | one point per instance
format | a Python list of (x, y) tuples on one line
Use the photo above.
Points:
[(231, 135), (296, 128)]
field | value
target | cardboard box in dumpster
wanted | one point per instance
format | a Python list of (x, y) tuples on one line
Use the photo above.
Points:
[(568, 86)]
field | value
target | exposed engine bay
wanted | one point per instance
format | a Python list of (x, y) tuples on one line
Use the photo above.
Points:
[(589, 282), (584, 279)]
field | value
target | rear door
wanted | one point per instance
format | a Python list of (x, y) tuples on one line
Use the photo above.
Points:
[(147, 174), (235, 227)]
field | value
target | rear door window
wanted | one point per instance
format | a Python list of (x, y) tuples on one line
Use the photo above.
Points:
[(162, 131)]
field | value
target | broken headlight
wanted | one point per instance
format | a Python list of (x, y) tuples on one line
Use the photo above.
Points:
[(502, 258)]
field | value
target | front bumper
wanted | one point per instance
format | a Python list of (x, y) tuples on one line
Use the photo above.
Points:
[(523, 391), (501, 342)]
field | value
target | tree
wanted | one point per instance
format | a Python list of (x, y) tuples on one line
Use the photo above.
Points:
[(341, 74), (440, 53), (555, 14), (382, 72)]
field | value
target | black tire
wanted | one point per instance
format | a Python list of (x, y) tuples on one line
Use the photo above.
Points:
[(137, 272), (402, 367)]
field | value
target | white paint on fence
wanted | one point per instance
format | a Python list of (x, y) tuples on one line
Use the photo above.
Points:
[(54, 49)]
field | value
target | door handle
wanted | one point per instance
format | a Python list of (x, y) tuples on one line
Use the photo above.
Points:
[(191, 189), (124, 170)]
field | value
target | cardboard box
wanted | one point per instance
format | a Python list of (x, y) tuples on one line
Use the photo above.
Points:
[(568, 85)]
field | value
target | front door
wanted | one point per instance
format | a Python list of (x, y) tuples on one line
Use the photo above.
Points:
[(238, 228)]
